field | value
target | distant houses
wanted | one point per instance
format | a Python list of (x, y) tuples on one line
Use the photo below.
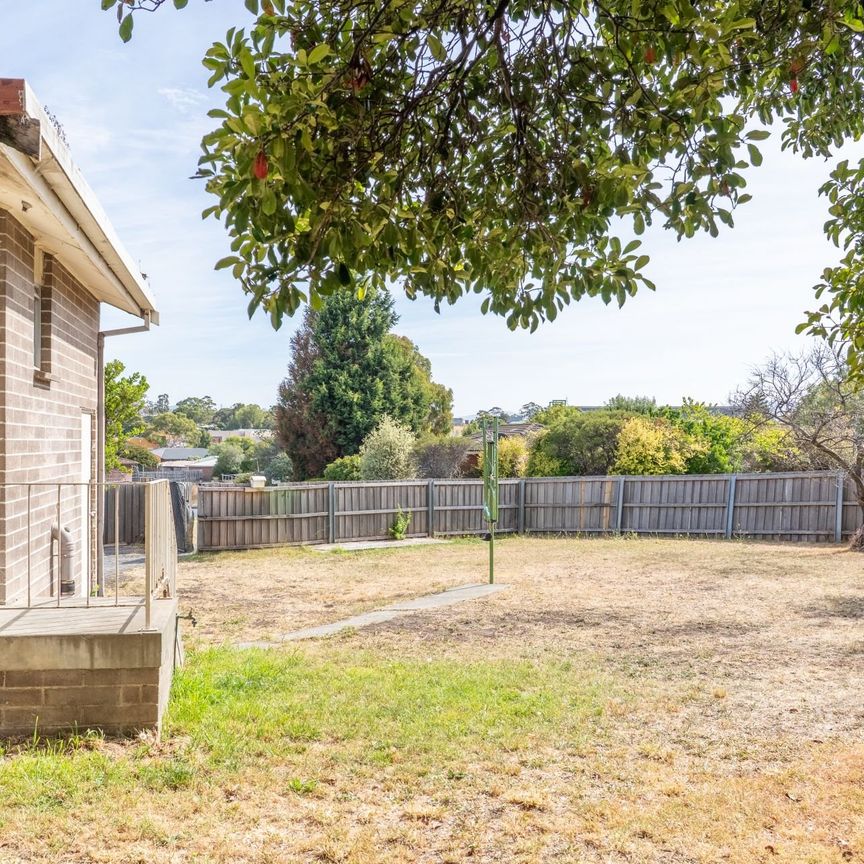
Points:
[(218, 436)]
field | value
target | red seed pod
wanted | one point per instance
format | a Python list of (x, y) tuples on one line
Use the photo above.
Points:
[(650, 54), (261, 168), (793, 85)]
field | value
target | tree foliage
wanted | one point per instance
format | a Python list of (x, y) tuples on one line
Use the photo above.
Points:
[(633, 404), (301, 429), (343, 468), (199, 409), (360, 374), (496, 148), (173, 430), (716, 439), (387, 452), (653, 445), (242, 415), (229, 457), (577, 442), (124, 405)]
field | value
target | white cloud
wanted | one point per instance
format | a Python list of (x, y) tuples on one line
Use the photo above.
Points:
[(182, 99)]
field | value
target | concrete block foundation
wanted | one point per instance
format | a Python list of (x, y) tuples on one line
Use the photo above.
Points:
[(75, 668)]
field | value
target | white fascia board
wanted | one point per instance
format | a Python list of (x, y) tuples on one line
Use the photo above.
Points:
[(52, 198)]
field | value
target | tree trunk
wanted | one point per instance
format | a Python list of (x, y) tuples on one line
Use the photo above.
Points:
[(856, 544)]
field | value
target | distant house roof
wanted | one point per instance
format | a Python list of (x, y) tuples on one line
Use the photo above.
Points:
[(505, 430), (172, 454), (208, 462)]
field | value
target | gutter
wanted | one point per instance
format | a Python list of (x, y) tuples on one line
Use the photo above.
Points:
[(33, 144)]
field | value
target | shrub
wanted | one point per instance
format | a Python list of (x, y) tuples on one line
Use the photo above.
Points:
[(654, 446), (242, 479), (138, 454), (576, 443), (229, 458), (441, 457), (387, 453), (280, 468), (399, 528), (344, 468), (512, 457)]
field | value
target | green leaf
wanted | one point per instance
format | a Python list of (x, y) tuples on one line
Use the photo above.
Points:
[(758, 135), (126, 26), (224, 263), (108, 4), (755, 155), (247, 63), (436, 48), (252, 6), (318, 53), (181, 4)]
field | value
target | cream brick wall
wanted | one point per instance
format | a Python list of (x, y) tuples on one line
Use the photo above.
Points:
[(40, 422)]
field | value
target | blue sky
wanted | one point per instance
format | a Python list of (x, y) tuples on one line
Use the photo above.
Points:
[(134, 115)]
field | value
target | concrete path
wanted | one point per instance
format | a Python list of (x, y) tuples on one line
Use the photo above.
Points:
[(450, 597), (362, 545)]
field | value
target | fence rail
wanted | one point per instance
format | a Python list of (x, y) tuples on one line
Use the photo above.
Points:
[(801, 506)]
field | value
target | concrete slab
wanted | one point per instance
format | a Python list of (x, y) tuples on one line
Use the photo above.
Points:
[(102, 618), (362, 545), (450, 597)]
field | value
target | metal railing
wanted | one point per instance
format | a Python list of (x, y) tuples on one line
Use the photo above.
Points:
[(53, 552)]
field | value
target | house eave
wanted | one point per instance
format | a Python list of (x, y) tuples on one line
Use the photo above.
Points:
[(44, 189)]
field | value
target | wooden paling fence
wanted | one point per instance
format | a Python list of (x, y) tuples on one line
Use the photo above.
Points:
[(126, 519), (802, 506)]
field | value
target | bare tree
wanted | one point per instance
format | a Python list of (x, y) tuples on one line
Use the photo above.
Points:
[(810, 395)]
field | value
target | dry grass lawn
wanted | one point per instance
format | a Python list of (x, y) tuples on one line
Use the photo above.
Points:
[(623, 701)]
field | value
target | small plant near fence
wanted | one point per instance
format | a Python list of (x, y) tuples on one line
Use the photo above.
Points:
[(399, 528)]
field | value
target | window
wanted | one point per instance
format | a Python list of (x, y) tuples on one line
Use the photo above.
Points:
[(37, 326), (42, 307)]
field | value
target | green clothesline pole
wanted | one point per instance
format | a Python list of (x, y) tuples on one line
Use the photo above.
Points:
[(490, 487)]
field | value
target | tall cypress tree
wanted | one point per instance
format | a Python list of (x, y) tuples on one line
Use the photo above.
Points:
[(358, 376), (347, 371)]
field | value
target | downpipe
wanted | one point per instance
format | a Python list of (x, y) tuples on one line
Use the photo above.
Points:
[(67, 549), (100, 442)]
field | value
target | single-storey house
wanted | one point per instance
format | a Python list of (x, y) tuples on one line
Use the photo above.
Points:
[(60, 260), (172, 454), (217, 436)]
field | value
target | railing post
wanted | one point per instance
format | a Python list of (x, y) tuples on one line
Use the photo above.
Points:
[(331, 512), (430, 509), (521, 524), (838, 509), (619, 504), (730, 506), (29, 547), (148, 556)]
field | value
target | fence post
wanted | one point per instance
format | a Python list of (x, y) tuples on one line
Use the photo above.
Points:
[(730, 506), (430, 509), (331, 512), (619, 504), (838, 509), (521, 523)]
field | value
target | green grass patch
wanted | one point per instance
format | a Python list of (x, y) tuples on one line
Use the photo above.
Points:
[(233, 709), (237, 704)]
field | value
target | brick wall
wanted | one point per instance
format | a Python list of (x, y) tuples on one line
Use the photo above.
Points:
[(114, 700), (41, 420)]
